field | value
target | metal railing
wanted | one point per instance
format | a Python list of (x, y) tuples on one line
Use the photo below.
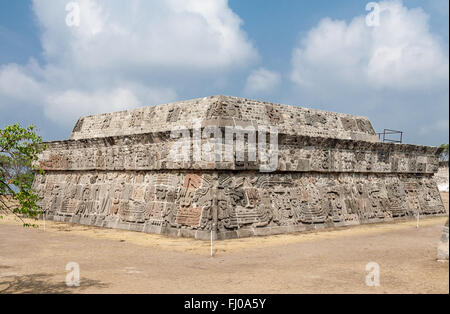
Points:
[(385, 136)]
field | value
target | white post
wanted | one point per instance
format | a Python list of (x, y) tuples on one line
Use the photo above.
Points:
[(43, 215), (212, 239), (418, 217)]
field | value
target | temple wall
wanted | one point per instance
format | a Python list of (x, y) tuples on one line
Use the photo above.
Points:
[(441, 178), (295, 154), (127, 170), (239, 204)]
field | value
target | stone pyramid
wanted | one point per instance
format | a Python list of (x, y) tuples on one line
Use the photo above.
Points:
[(118, 171)]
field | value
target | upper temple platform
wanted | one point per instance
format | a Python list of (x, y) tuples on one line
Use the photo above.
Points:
[(225, 111)]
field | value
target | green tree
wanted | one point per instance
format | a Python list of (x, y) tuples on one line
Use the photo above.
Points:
[(444, 154), (19, 149)]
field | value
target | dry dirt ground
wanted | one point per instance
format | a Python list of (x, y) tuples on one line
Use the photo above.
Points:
[(116, 261)]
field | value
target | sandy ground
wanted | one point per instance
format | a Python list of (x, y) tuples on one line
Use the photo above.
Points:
[(116, 261)]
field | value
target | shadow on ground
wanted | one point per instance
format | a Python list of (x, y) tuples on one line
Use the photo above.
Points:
[(4, 267), (42, 284)]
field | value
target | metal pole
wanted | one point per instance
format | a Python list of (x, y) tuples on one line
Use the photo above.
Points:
[(212, 228)]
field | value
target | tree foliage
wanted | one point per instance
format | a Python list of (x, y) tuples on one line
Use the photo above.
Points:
[(19, 149), (444, 154)]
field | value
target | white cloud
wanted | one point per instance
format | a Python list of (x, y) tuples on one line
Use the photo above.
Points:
[(74, 103), (262, 81), (116, 57), (16, 84), (396, 73), (400, 54), (169, 33)]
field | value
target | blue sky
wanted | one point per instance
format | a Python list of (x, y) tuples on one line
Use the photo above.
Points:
[(317, 54)]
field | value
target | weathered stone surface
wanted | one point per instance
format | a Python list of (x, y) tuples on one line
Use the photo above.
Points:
[(295, 153), (331, 171), (442, 176), (225, 111), (241, 203)]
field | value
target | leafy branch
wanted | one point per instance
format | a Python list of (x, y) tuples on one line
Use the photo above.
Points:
[(19, 150)]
